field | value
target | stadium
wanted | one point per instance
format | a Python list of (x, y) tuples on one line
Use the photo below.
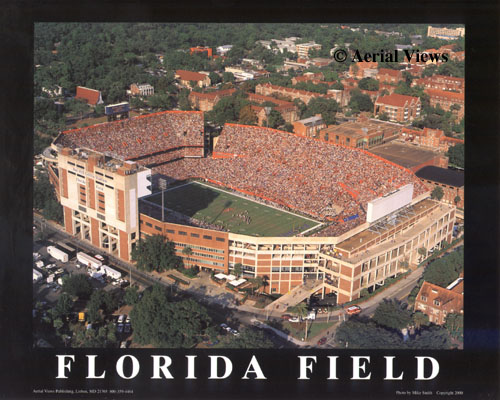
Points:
[(290, 209)]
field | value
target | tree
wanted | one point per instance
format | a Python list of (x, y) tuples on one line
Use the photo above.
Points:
[(437, 193), (368, 84), (275, 119), (77, 285), (100, 300), (63, 306), (359, 333), (337, 86), (288, 127), (187, 251), (455, 325), (457, 155), (227, 77), (420, 319), (446, 269), (360, 101), (392, 314), (214, 78), (431, 338), (238, 269), (247, 116), (131, 295), (164, 323), (457, 200), (155, 253), (77, 107), (383, 116), (422, 251), (326, 107), (44, 198)]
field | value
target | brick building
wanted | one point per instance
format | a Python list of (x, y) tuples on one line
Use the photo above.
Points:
[(186, 77), (441, 82), (207, 101), (451, 181), (289, 94), (91, 96), (198, 50), (398, 107), (99, 195), (362, 70), (386, 75), (309, 127), (363, 133), (447, 101), (432, 138), (287, 109), (437, 302)]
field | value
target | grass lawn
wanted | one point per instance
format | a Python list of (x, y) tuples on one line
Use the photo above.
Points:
[(313, 329), (236, 214)]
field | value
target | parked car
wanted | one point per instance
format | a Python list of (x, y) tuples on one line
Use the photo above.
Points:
[(322, 341), (294, 319), (127, 328), (353, 310), (234, 332), (120, 328), (121, 319), (286, 317)]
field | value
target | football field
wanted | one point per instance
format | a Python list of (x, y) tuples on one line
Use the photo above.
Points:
[(232, 212)]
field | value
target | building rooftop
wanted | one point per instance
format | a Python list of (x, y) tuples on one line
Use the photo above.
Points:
[(407, 156), (397, 100), (442, 175)]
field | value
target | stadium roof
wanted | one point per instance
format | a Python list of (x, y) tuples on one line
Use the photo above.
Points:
[(441, 175)]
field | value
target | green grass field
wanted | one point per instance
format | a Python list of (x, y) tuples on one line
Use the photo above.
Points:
[(234, 213)]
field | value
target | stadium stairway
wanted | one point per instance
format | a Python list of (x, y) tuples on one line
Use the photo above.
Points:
[(295, 296)]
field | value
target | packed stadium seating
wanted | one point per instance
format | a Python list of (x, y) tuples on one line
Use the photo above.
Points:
[(295, 173)]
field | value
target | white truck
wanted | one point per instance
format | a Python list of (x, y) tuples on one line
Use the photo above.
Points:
[(87, 260), (50, 278), (37, 275), (113, 273), (57, 254)]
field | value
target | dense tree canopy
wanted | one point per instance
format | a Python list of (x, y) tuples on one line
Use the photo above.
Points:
[(44, 198), (77, 285), (368, 84), (456, 155), (154, 253), (392, 314), (446, 269), (171, 324)]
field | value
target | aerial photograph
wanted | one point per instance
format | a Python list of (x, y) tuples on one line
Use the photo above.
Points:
[(248, 186)]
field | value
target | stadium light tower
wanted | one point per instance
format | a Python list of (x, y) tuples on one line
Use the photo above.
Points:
[(163, 187)]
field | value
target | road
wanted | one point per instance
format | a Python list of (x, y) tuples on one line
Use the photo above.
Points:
[(207, 293)]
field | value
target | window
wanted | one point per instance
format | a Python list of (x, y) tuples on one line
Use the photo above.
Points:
[(109, 177), (100, 216), (436, 302), (158, 228), (208, 237), (219, 239), (132, 236), (71, 172), (424, 298), (195, 235), (182, 233), (170, 231), (71, 163), (98, 173), (149, 224)]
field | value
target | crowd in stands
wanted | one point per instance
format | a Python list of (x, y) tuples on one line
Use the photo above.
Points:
[(296, 173), (147, 134), (279, 167)]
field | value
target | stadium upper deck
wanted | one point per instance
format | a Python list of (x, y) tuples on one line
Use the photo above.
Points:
[(326, 181), (140, 136)]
